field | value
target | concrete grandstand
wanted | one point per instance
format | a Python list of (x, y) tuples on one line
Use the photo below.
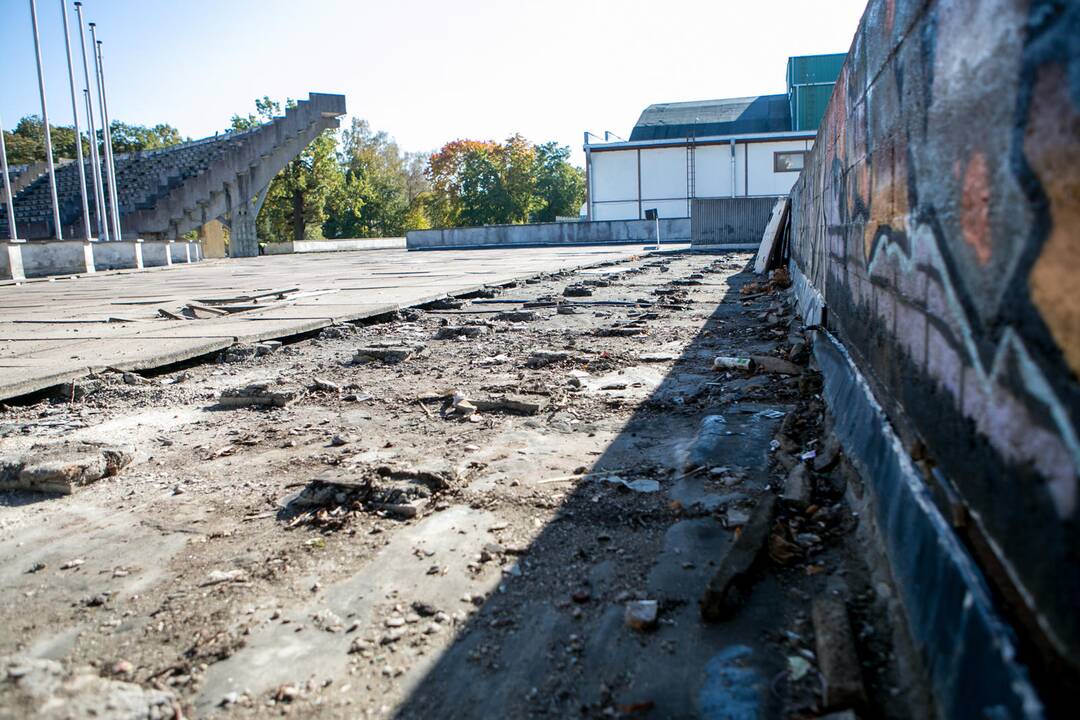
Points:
[(163, 194)]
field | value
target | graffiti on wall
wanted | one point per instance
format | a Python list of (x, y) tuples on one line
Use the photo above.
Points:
[(939, 215)]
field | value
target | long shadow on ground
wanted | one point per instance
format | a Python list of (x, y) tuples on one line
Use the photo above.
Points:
[(552, 640)]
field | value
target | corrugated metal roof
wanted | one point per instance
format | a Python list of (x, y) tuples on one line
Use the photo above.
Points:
[(700, 118)]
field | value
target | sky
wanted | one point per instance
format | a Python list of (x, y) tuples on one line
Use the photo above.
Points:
[(425, 71)]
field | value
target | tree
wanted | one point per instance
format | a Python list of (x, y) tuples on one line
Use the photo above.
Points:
[(461, 176), (296, 200), (374, 201), (296, 203), (518, 178), (560, 187), (26, 143), (265, 110), (485, 182), (134, 138)]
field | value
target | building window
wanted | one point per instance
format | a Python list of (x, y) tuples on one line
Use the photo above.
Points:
[(790, 161)]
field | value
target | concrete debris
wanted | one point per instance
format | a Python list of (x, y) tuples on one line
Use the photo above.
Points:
[(706, 449), (452, 332), (389, 354), (336, 332), (500, 359), (131, 378), (836, 655), (446, 304), (44, 689), (565, 309), (641, 486), (216, 577), (517, 316), (730, 585), (829, 454), (320, 385), (62, 467), (543, 358), (775, 365), (260, 394), (797, 486), (631, 330), (516, 404), (266, 347), (577, 291), (79, 389), (462, 407), (238, 353), (641, 614), (401, 491)]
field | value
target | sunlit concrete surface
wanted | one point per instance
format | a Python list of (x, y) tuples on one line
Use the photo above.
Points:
[(53, 331)]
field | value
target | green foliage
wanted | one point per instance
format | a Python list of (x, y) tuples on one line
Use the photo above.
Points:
[(133, 138), (265, 110), (26, 143), (487, 183), (560, 187), (298, 199), (373, 201)]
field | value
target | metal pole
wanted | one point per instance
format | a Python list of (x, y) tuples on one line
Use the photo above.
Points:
[(10, 201), (95, 175), (99, 189), (110, 167), (45, 119), (78, 133)]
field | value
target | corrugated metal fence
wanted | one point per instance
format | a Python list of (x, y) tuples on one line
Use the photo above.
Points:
[(722, 221)]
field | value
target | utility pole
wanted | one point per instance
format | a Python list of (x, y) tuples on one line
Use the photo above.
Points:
[(78, 133), (110, 166), (99, 190), (59, 231)]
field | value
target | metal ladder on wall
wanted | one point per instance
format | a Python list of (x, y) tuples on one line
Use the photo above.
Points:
[(690, 167)]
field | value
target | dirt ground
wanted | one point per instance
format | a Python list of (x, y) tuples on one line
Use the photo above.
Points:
[(475, 517)]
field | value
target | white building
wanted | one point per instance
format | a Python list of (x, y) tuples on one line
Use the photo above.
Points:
[(710, 149)]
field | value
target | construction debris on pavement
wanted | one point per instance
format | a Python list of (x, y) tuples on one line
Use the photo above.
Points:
[(600, 493)]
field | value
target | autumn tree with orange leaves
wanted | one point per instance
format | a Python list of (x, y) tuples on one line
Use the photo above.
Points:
[(483, 182)]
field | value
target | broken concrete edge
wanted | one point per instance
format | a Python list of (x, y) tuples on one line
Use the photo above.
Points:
[(839, 663), (969, 652), (506, 246), (221, 342), (724, 248), (809, 302), (733, 579), (37, 384)]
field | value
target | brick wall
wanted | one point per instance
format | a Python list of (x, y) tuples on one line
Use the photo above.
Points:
[(939, 216)]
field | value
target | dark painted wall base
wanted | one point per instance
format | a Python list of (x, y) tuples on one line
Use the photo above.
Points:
[(968, 651)]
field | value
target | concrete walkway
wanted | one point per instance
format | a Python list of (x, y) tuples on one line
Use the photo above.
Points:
[(55, 331)]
